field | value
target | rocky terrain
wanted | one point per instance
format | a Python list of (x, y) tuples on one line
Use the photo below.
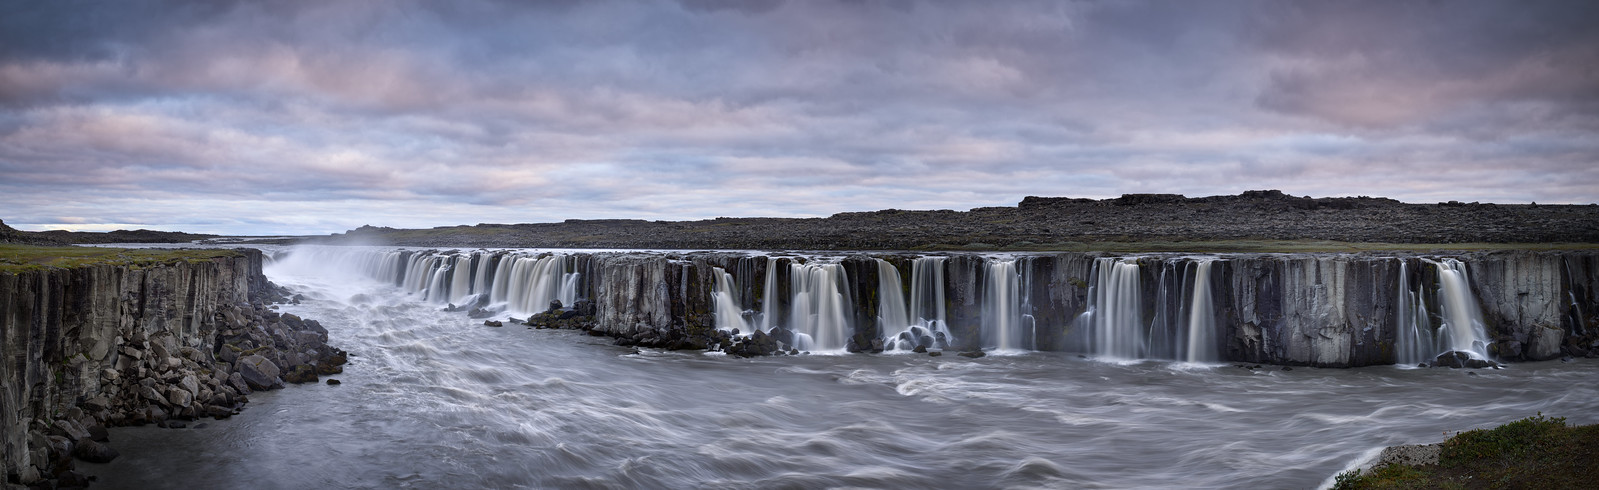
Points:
[(60, 237), (13, 235), (1302, 309), (1049, 223), (102, 345)]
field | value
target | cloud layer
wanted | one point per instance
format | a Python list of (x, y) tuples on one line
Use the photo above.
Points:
[(315, 117)]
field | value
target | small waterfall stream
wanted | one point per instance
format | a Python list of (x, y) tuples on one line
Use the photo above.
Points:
[(1116, 311), (820, 317), (1201, 332), (729, 316), (1463, 329), (1002, 307)]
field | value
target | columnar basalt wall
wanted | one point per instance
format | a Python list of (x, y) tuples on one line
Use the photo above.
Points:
[(1317, 309), (89, 347)]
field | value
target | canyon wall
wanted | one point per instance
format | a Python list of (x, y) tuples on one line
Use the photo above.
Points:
[(1315, 309), (88, 347)]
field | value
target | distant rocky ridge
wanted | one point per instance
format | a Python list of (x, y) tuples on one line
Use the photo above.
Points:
[(62, 237), (1043, 222), (13, 235)]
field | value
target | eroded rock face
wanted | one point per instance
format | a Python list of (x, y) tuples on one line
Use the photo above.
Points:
[(1329, 310), (104, 345)]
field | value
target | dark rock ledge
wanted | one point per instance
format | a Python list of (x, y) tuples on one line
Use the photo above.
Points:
[(104, 346)]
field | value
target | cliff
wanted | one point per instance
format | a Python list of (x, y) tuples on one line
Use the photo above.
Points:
[(1325, 309), (131, 342)]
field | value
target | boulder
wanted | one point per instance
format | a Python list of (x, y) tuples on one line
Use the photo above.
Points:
[(150, 393), (1545, 343), (236, 382), (179, 397), (94, 452), (259, 373), (1452, 359), (191, 384), (71, 430), (301, 374)]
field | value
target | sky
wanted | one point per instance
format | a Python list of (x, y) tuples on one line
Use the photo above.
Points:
[(267, 118)]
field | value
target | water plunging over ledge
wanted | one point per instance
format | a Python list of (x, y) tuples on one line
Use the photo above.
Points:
[(432, 398), (1299, 309)]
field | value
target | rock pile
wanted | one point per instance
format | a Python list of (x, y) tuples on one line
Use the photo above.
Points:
[(99, 346), (159, 379)]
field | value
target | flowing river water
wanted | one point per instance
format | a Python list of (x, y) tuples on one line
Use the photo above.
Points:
[(432, 399)]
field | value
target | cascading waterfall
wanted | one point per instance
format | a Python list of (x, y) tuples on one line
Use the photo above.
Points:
[(768, 301), (1115, 312), (820, 317), (534, 282), (1201, 331), (1002, 306), (1413, 337), (892, 313), (927, 294), (484, 273), (728, 315), (922, 323), (419, 273), (461, 282), (996, 299), (1463, 328)]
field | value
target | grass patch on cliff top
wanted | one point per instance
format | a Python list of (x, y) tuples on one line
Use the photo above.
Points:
[(1534, 452), (19, 258), (1253, 246)]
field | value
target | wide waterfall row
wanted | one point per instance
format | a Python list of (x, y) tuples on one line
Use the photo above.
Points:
[(1322, 309), (510, 282)]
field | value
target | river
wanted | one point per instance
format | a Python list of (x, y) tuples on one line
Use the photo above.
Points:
[(433, 399)]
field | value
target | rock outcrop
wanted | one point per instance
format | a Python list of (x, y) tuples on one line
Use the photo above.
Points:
[(105, 345), (1315, 309), (1047, 222)]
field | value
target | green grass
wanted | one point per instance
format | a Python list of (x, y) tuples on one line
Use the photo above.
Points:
[(1534, 452), (19, 258)]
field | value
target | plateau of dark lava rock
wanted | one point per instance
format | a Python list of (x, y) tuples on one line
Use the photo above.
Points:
[(1050, 223)]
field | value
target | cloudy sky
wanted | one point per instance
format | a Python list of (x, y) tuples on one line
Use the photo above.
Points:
[(320, 116)]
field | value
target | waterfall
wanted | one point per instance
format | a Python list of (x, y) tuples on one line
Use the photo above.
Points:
[(1002, 306), (899, 331), (484, 275), (529, 283), (927, 292), (821, 307), (1202, 317), (1115, 310), (769, 295), (728, 316), (1413, 338), (892, 313), (1463, 328), (461, 283), (923, 323)]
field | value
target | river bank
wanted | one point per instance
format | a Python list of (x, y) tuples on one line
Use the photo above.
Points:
[(98, 338), (444, 401)]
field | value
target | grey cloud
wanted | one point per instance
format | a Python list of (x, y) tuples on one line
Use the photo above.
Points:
[(1386, 64), (488, 111)]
